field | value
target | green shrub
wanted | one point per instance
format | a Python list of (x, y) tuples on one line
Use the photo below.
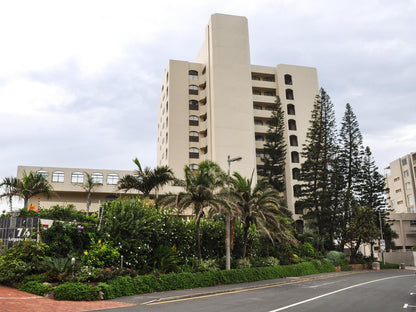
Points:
[(36, 288), (75, 291), (243, 263), (335, 257), (264, 262), (386, 266)]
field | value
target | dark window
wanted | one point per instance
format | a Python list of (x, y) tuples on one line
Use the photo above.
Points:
[(255, 77), (294, 157), (193, 120), (293, 140), (295, 173), (298, 208), (292, 124), (290, 109), (269, 78), (299, 225), (288, 79), (296, 190), (193, 89), (193, 136), (193, 75), (289, 94), (193, 152), (193, 105), (256, 92)]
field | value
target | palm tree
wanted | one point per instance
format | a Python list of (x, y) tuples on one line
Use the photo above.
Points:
[(201, 188), (147, 179), (32, 184), (259, 205), (89, 185), (10, 186)]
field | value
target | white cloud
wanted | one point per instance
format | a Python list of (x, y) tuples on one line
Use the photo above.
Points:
[(26, 97)]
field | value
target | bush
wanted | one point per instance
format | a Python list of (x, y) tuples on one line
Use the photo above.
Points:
[(123, 286), (243, 263), (335, 257), (386, 266), (75, 291), (36, 288), (264, 262)]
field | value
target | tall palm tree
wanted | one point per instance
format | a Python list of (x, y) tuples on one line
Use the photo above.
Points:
[(11, 189), (89, 185), (259, 205), (201, 191), (147, 179), (31, 184)]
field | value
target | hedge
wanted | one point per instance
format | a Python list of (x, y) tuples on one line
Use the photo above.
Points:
[(75, 291), (126, 285), (36, 288)]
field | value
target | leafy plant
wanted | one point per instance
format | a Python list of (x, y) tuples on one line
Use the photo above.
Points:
[(36, 288), (101, 255), (75, 291)]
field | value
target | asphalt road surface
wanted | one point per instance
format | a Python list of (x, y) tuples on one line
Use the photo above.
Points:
[(350, 291)]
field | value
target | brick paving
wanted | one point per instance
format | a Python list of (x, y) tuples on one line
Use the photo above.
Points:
[(13, 300)]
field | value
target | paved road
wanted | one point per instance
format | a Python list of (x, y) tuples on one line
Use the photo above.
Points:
[(364, 291)]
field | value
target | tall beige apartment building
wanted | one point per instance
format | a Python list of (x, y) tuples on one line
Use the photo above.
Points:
[(220, 105), (401, 183)]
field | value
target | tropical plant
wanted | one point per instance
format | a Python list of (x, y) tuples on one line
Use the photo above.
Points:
[(201, 192), (28, 186), (259, 205), (147, 179), (89, 185), (11, 189)]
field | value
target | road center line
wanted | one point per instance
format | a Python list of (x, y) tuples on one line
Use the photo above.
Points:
[(336, 291)]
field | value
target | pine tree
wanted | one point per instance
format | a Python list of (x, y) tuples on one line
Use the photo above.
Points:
[(350, 160), (275, 149), (315, 170)]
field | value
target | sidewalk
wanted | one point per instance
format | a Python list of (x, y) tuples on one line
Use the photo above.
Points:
[(13, 300)]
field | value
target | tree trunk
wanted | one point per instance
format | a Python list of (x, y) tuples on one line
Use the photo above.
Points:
[(198, 238), (26, 204), (88, 203)]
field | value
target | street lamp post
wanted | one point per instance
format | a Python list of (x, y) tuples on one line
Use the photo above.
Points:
[(228, 218), (382, 242)]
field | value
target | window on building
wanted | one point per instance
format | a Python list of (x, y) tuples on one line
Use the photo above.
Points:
[(193, 166), (260, 154), (289, 94), (193, 75), (408, 185), (411, 202), (268, 78), (258, 122), (406, 173), (412, 222), (193, 89), (112, 178), (193, 105), (404, 162), (296, 190), (393, 204), (294, 157), (254, 77), (298, 208), (288, 79), (193, 152), (97, 177), (77, 177), (193, 120), (193, 136), (256, 92), (398, 190), (396, 179), (293, 140), (290, 109), (295, 173), (269, 93), (259, 138), (44, 173), (292, 124), (269, 108), (257, 107), (58, 176)]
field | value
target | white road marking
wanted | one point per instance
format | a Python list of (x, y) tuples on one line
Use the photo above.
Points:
[(334, 292)]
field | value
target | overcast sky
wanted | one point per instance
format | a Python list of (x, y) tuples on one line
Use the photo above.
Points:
[(80, 80)]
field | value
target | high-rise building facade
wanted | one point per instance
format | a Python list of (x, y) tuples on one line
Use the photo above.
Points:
[(401, 184), (220, 105)]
